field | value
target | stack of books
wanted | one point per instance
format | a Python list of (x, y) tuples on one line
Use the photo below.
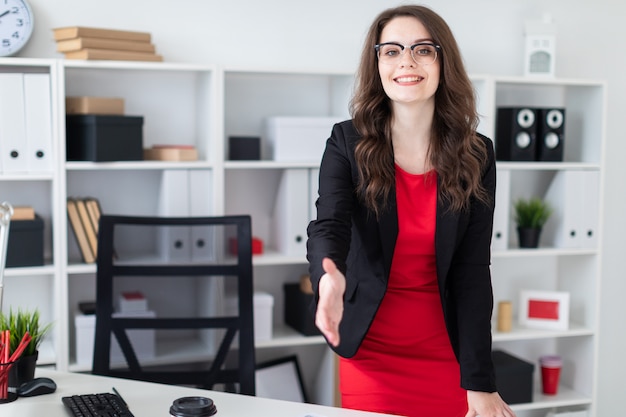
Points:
[(84, 216), (78, 42)]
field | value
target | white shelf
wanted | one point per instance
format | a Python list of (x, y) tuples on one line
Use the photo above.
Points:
[(564, 398), (27, 271), (136, 165), (269, 164), (546, 166), (275, 258), (283, 335), (27, 177), (543, 252), (523, 333)]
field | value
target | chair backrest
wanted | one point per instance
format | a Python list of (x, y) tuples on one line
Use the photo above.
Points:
[(114, 264)]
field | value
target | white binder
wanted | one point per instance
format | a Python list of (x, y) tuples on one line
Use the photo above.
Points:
[(38, 119), (502, 212), (200, 205), (291, 212), (591, 208), (314, 175), (12, 125), (564, 227), (174, 242)]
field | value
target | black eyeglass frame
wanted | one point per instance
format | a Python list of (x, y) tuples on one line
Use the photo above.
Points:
[(411, 48)]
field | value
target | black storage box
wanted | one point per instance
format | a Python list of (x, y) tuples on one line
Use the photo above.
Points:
[(297, 312), (244, 148), (101, 138), (514, 377), (25, 243)]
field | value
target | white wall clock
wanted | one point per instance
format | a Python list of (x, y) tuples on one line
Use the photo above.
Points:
[(16, 26)]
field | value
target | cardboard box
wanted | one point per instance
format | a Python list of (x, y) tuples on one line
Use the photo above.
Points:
[(297, 312), (298, 138), (94, 105), (263, 305), (101, 138), (170, 154), (25, 243), (514, 377), (142, 340)]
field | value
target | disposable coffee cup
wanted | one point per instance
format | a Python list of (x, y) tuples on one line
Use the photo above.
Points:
[(193, 407), (550, 373)]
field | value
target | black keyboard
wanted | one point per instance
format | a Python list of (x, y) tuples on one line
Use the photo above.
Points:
[(97, 405)]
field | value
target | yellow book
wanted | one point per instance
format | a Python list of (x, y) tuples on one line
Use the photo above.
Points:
[(92, 238), (109, 54), (77, 44), (79, 231), (94, 211), (71, 32)]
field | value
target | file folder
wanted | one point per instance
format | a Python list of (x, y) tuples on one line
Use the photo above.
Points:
[(174, 241), (291, 212), (564, 227), (38, 119), (502, 212), (200, 205), (591, 209), (12, 124)]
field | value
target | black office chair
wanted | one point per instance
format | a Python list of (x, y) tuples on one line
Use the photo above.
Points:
[(112, 264)]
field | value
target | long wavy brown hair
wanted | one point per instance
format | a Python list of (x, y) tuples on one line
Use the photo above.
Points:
[(456, 152)]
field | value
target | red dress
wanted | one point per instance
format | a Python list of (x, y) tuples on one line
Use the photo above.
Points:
[(406, 365)]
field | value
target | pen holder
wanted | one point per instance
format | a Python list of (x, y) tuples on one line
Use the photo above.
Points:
[(7, 393)]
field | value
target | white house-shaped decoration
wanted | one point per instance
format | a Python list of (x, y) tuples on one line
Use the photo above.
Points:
[(540, 38)]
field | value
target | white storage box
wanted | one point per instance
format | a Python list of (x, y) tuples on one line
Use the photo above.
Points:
[(132, 301), (143, 340), (263, 305), (298, 138)]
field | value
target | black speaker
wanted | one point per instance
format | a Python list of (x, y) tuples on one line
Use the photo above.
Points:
[(516, 134), (550, 134)]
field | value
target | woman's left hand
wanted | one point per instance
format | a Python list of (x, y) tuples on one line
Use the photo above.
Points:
[(487, 404)]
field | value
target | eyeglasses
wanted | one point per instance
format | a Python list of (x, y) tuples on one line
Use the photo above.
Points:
[(423, 53)]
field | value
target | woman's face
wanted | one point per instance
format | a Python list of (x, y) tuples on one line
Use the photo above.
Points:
[(404, 80)]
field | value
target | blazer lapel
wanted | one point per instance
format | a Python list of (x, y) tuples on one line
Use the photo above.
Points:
[(388, 229), (445, 238)]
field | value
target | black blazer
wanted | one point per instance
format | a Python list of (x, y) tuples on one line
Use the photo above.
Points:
[(362, 247)]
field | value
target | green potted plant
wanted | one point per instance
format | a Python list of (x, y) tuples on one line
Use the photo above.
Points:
[(530, 216), (18, 323)]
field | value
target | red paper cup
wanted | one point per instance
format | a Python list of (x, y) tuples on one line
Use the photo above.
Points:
[(550, 373)]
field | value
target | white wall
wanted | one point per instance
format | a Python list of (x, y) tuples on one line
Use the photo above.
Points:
[(327, 34)]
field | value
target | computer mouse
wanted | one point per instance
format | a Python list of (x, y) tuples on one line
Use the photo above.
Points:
[(37, 386)]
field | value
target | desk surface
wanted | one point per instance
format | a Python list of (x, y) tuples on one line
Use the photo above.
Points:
[(151, 400)]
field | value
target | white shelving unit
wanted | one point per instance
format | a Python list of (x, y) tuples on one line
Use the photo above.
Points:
[(556, 265), (203, 105)]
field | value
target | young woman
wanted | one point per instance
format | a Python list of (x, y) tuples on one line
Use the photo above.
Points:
[(400, 251)]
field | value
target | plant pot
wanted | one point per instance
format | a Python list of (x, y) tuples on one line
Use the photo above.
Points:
[(24, 369), (528, 237)]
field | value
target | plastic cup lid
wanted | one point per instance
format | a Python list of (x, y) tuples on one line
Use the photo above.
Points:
[(193, 406), (551, 361)]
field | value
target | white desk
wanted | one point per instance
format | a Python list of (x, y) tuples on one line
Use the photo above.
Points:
[(153, 400)]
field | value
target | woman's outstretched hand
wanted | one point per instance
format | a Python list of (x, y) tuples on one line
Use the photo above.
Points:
[(330, 304)]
